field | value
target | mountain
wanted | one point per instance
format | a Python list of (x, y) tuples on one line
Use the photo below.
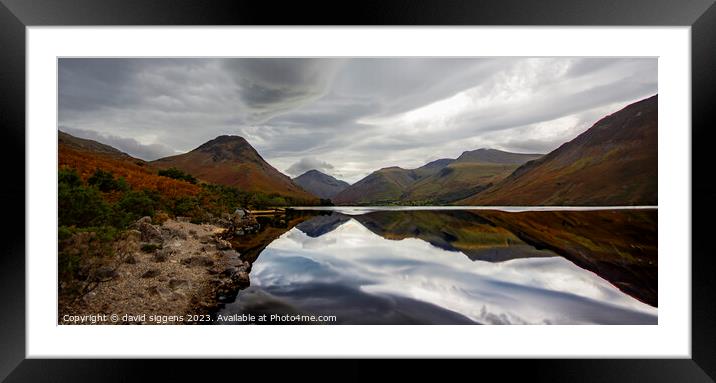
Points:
[(320, 184), (232, 161), (382, 186), (437, 182), (469, 174), (612, 163)]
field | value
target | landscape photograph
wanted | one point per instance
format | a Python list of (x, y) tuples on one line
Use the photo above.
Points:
[(357, 191)]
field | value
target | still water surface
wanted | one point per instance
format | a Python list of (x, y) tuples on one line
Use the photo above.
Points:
[(402, 266)]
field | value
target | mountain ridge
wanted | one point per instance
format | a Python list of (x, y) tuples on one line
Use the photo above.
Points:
[(622, 146), (230, 160), (438, 182), (320, 184)]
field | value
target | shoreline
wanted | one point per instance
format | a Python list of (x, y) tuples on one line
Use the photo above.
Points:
[(175, 272)]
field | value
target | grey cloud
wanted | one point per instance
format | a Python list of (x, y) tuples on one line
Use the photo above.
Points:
[(274, 85), (309, 163), (347, 112)]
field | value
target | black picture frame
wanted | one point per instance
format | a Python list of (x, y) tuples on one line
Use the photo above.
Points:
[(16, 15)]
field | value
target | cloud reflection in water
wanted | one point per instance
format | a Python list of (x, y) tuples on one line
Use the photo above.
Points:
[(364, 278)]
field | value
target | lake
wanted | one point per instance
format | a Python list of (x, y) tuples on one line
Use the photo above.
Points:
[(415, 265)]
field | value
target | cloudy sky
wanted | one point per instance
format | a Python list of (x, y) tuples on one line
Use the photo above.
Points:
[(345, 116)]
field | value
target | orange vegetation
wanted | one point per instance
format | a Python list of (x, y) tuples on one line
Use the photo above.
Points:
[(138, 174)]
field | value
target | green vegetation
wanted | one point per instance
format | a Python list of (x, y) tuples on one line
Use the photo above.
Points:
[(105, 181), (177, 174), (92, 214)]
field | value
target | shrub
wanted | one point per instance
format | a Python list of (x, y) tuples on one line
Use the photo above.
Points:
[(177, 174), (105, 181), (80, 205), (136, 204)]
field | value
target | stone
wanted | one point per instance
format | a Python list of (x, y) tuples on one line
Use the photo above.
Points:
[(178, 284), (150, 234), (130, 259), (160, 291), (228, 272), (242, 277), (162, 255), (197, 260), (222, 244), (105, 273), (151, 273)]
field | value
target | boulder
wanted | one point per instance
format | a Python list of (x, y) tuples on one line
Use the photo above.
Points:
[(222, 244), (160, 291), (175, 284), (197, 260), (151, 273), (162, 255), (149, 233), (104, 273)]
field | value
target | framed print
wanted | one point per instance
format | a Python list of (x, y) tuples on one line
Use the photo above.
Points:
[(403, 180)]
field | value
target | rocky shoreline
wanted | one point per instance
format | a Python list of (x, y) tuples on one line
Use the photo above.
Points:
[(176, 272)]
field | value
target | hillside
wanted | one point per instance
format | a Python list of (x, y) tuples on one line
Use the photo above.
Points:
[(232, 161), (438, 182), (470, 173), (320, 184), (382, 186), (612, 163), (86, 156)]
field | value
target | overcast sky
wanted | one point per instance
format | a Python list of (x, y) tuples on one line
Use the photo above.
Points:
[(346, 116)]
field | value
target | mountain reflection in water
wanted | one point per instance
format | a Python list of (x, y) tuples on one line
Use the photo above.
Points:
[(460, 267)]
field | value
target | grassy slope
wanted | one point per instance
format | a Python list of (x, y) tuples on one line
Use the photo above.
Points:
[(612, 163)]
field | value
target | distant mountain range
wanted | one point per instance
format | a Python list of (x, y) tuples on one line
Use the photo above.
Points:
[(320, 184), (612, 163), (232, 161), (615, 162), (438, 182)]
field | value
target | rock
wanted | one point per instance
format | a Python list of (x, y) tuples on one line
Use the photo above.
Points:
[(149, 233), (228, 272), (242, 277), (162, 255), (184, 219), (103, 273), (197, 260), (160, 291), (133, 235), (213, 270), (239, 213), (178, 284), (239, 232), (222, 244), (151, 273), (130, 259)]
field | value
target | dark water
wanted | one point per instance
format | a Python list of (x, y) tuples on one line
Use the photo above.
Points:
[(456, 267)]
